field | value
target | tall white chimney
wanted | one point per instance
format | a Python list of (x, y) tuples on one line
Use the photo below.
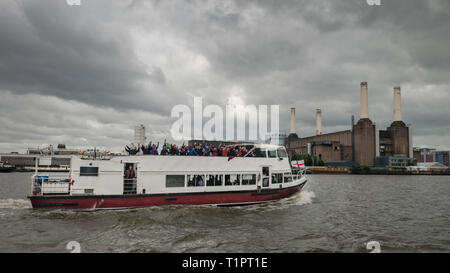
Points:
[(410, 142), (318, 121), (293, 127), (364, 103), (397, 104)]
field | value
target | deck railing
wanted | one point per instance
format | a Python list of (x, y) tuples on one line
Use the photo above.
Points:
[(298, 174), (129, 186), (43, 184)]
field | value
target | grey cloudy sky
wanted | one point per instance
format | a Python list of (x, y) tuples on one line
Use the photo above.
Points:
[(85, 75)]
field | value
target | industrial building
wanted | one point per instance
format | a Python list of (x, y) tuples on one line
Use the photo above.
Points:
[(363, 143)]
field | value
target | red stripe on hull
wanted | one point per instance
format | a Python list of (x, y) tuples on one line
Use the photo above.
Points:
[(135, 201)]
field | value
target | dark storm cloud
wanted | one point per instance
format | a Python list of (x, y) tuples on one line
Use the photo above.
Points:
[(72, 53), (127, 62)]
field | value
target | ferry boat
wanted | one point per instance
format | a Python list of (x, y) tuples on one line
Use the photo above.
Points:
[(6, 168), (169, 180)]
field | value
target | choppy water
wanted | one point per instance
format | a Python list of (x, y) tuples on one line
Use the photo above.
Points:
[(334, 213)]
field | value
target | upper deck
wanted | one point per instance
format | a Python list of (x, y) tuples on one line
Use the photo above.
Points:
[(264, 154)]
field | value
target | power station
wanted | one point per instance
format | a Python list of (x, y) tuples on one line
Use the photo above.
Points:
[(364, 143)]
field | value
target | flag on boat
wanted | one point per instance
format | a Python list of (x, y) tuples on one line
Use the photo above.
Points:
[(298, 163)]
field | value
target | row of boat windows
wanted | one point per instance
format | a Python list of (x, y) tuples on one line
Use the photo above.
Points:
[(261, 152), (201, 180)]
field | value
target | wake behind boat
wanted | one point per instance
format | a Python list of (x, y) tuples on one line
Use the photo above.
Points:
[(142, 181)]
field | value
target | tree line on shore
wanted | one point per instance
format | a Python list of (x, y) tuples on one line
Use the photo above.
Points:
[(310, 160)]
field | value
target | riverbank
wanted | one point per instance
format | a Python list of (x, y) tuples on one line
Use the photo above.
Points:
[(372, 171)]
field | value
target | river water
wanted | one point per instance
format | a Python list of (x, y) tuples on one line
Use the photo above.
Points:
[(334, 213)]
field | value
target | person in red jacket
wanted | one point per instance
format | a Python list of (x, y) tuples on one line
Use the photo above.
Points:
[(130, 173), (215, 151)]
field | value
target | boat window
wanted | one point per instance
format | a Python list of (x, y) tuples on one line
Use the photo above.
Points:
[(232, 180), (214, 180), (265, 182), (88, 171), (272, 153), (265, 171), (249, 179), (281, 152), (260, 152), (196, 180), (174, 181), (287, 177), (277, 178)]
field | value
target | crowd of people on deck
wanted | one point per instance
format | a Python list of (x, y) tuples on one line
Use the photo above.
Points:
[(193, 150)]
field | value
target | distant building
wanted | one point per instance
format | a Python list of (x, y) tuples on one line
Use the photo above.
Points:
[(430, 167), (363, 144), (139, 135), (423, 155), (20, 160), (54, 157), (50, 150), (335, 146), (395, 161), (443, 157)]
